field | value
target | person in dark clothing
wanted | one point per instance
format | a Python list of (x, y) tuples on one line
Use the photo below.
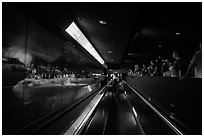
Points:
[(196, 65), (115, 86), (180, 66)]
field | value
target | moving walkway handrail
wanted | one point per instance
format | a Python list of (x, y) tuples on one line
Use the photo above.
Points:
[(103, 128), (80, 122), (134, 114), (106, 120), (165, 119)]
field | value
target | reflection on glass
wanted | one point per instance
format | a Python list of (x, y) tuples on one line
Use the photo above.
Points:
[(39, 76), (75, 32)]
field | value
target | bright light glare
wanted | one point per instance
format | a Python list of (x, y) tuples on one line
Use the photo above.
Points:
[(75, 32), (102, 22), (178, 33), (134, 111)]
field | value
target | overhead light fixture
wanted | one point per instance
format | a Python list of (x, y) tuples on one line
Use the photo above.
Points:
[(177, 33), (102, 22), (76, 33), (129, 61), (109, 51), (160, 46), (136, 54)]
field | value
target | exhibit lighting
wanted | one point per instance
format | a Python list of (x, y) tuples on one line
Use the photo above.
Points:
[(76, 33)]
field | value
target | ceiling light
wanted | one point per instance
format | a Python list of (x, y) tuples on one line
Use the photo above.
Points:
[(76, 33), (136, 54), (160, 46), (109, 51), (129, 61), (102, 22), (177, 33)]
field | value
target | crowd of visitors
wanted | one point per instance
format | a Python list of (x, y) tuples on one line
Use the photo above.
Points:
[(181, 67), (156, 68), (45, 71), (49, 72)]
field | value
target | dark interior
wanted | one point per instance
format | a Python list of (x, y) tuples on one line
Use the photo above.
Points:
[(135, 33), (49, 79)]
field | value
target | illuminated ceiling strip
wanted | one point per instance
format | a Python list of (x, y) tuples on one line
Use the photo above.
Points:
[(76, 33)]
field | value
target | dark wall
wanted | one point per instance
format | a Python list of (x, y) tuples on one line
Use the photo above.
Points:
[(22, 33), (184, 95), (32, 43)]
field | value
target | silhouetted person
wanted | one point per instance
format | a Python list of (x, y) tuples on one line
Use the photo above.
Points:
[(144, 70), (180, 66), (115, 86), (196, 65)]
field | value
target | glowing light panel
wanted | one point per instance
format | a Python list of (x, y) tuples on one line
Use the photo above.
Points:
[(76, 33)]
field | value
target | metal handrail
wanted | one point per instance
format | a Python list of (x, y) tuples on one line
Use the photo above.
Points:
[(165, 119), (134, 114), (80, 122)]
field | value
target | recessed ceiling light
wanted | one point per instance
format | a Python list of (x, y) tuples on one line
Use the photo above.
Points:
[(177, 33), (109, 51), (102, 22)]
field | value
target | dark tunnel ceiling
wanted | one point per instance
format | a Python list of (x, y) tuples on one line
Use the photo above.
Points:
[(134, 33)]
